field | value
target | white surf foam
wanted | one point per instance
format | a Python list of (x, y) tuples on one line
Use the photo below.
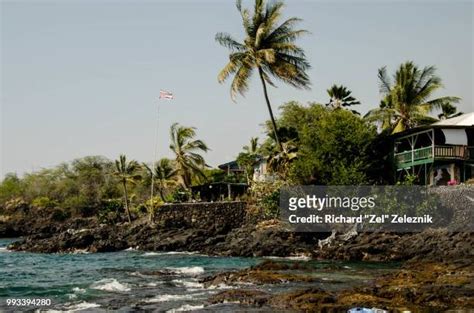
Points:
[(3, 249), (110, 284), (292, 258), (151, 253), (221, 286), (189, 270), (78, 290), (82, 306), (185, 308), (188, 284), (167, 297), (170, 253)]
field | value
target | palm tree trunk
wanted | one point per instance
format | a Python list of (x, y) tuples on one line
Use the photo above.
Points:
[(260, 72), (125, 191), (162, 195)]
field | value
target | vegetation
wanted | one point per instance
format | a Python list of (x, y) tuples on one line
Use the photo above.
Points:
[(340, 97), (407, 100), (186, 149), (448, 111), (165, 174), (127, 172), (307, 144), (269, 48)]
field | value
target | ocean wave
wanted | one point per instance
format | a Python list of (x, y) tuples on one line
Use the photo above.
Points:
[(151, 253), (131, 249), (4, 249), (80, 251), (221, 286), (188, 270), (291, 258), (78, 290), (186, 307), (171, 253), (168, 297), (82, 306), (110, 284), (188, 284)]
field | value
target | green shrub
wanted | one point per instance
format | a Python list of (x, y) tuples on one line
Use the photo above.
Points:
[(44, 203), (60, 215), (109, 211), (267, 197), (180, 195)]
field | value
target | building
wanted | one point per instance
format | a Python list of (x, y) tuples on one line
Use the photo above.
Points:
[(260, 171), (438, 154), (228, 186)]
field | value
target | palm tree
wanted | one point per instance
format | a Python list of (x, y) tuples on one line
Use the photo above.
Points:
[(165, 173), (407, 102), (448, 111), (340, 97), (186, 149), (269, 48), (127, 173), (252, 148)]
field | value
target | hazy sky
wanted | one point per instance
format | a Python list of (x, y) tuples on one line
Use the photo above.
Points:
[(82, 77)]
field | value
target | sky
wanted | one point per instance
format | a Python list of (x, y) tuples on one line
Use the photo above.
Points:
[(82, 78)]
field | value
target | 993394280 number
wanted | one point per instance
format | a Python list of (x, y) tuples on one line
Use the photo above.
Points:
[(28, 302)]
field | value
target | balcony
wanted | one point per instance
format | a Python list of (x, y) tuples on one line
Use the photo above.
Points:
[(425, 155)]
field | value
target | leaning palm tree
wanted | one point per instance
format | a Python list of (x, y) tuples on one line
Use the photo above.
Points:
[(407, 101), (269, 48), (164, 173), (340, 97), (127, 172), (448, 111), (186, 150)]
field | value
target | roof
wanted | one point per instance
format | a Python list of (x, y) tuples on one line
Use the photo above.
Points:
[(461, 120), (232, 165)]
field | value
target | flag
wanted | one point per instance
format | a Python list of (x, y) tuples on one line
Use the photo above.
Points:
[(166, 95)]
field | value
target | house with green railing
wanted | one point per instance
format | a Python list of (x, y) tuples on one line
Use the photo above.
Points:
[(437, 154)]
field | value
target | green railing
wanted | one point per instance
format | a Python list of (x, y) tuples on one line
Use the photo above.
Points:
[(418, 156), (414, 155)]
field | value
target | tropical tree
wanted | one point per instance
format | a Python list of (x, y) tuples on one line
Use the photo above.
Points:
[(186, 150), (340, 97), (164, 174), (252, 148), (248, 158), (407, 100), (127, 172), (269, 48), (448, 111)]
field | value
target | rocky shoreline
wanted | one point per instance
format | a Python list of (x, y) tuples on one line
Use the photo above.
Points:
[(437, 270), (418, 287), (266, 238)]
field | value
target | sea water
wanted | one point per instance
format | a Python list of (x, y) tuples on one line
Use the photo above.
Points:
[(130, 280)]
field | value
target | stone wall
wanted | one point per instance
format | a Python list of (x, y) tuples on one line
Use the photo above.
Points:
[(202, 215)]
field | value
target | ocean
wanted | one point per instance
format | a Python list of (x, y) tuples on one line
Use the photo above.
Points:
[(135, 280)]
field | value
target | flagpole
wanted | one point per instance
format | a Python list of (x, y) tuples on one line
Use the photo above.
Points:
[(155, 155)]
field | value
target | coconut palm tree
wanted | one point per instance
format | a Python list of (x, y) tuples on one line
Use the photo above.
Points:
[(164, 173), (252, 148), (340, 97), (407, 101), (268, 48), (186, 150), (127, 172), (448, 111)]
